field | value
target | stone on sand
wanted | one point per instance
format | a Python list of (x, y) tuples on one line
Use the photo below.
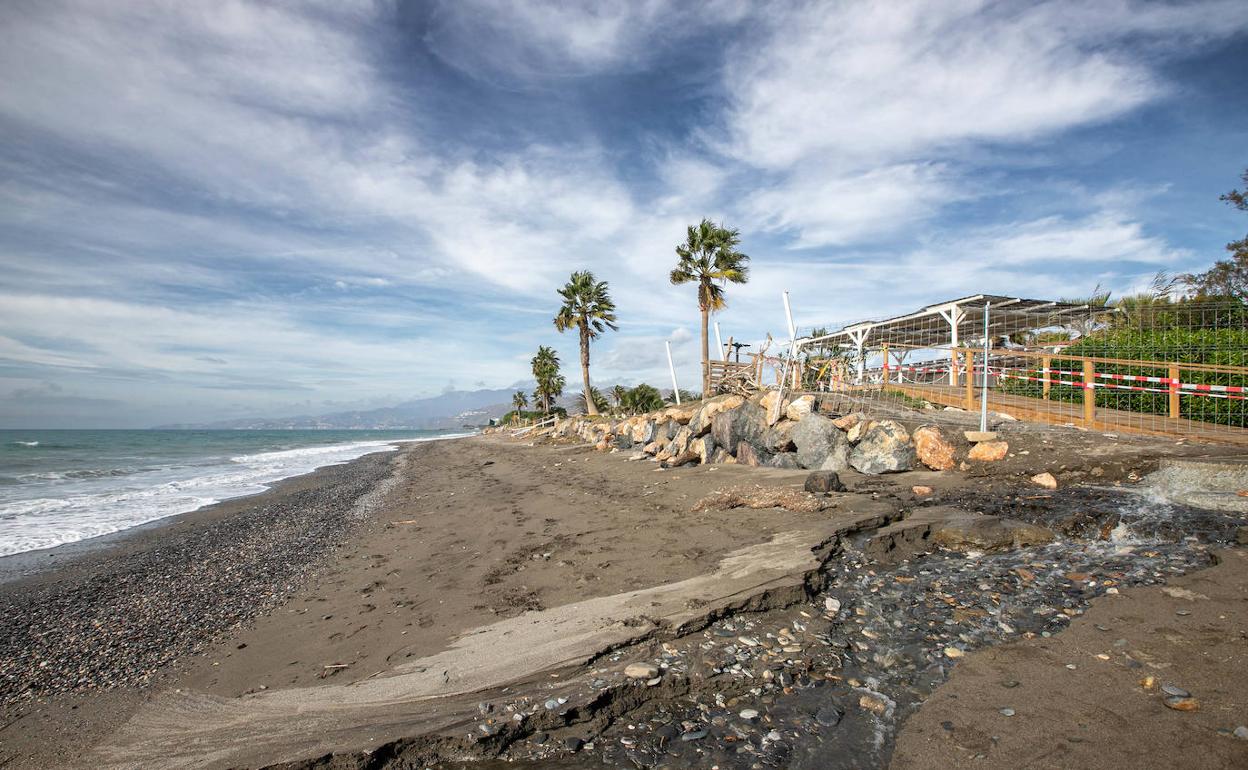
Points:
[(933, 449), (1045, 480), (989, 451), (822, 482), (884, 448), (820, 444)]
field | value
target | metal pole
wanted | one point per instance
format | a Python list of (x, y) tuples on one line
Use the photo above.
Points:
[(788, 362), (672, 368), (983, 394), (723, 355)]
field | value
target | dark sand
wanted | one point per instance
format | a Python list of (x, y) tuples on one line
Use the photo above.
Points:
[(481, 529)]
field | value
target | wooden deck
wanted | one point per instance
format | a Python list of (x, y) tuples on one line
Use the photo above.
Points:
[(1072, 413)]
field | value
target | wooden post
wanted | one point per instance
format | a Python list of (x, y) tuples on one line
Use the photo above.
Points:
[(885, 350), (1044, 373), (1174, 392), (970, 379), (1089, 393)]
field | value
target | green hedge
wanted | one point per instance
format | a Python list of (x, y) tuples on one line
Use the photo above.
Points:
[(1228, 347)]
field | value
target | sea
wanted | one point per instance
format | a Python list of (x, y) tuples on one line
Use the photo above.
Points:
[(63, 486)]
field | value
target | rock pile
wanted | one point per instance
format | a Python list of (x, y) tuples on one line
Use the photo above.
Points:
[(759, 431)]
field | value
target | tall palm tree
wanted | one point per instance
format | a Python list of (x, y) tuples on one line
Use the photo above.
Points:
[(519, 401), (587, 306), (546, 373), (709, 257)]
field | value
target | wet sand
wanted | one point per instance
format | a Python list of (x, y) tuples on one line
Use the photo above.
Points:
[(473, 532)]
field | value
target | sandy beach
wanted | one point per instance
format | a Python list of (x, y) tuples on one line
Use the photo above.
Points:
[(317, 613)]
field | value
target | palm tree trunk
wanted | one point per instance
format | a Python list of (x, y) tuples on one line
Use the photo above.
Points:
[(590, 407), (706, 353)]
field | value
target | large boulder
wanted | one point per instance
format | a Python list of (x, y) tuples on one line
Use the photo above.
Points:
[(769, 403), (800, 407), (701, 422), (933, 449), (785, 460), (643, 432), (884, 448), (722, 456), (623, 441), (704, 447), (820, 445), (847, 421), (779, 437), (745, 423), (859, 429), (748, 454), (822, 482)]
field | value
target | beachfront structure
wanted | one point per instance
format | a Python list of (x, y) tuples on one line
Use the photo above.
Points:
[(1147, 365)]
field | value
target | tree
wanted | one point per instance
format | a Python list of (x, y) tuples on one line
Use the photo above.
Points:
[(546, 373), (519, 401), (1227, 277), (643, 398), (709, 258), (618, 392), (587, 306)]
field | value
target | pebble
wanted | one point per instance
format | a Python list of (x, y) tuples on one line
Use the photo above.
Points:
[(954, 652), (1241, 732), (1181, 703), (641, 671), (694, 735), (828, 716), (748, 714), (1170, 689), (1007, 712), (832, 605)]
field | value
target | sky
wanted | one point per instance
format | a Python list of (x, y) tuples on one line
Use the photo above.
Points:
[(213, 210)]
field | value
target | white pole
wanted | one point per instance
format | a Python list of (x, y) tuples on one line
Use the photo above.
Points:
[(788, 314), (983, 393), (672, 368), (723, 355)]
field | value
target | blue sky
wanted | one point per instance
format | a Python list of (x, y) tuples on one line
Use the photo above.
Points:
[(215, 210)]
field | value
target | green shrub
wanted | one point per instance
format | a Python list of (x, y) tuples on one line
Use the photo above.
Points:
[(1222, 346)]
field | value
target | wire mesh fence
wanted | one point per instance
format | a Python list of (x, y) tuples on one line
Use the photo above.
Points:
[(1159, 366)]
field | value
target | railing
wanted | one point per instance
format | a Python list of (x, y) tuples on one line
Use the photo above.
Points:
[(545, 422)]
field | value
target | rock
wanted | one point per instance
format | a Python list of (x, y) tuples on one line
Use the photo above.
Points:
[(684, 458), (800, 407), (653, 448), (1241, 535), (785, 460), (760, 497), (704, 448), (832, 605), (859, 429), (978, 436), (748, 714), (701, 422), (820, 444), (748, 455), (768, 403), (745, 423), (989, 451), (884, 448), (643, 432), (641, 671), (822, 482), (874, 703), (779, 437), (933, 449), (1182, 703), (828, 716), (1045, 480), (921, 491), (1241, 732), (954, 652), (573, 744), (623, 440), (987, 533), (1007, 712), (722, 456), (1170, 689), (845, 422), (693, 735)]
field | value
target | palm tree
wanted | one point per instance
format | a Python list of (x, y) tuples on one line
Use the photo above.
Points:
[(643, 398), (546, 373), (519, 401), (587, 306), (710, 258), (618, 393)]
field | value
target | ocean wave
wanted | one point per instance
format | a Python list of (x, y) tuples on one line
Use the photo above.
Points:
[(26, 443), (137, 499)]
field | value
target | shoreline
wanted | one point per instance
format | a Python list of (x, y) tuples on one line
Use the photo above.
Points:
[(484, 542), (14, 566)]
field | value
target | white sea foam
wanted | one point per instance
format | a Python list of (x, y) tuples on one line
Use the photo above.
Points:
[(26, 443), (31, 524)]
